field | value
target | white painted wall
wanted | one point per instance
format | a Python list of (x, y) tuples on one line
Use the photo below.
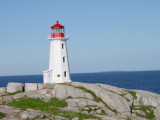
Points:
[(56, 65)]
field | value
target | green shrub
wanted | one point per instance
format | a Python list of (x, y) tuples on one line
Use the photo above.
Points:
[(1, 115)]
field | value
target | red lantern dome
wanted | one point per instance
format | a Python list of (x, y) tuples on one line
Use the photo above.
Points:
[(57, 30)]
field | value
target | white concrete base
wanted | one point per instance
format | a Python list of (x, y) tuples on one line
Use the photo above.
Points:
[(47, 78)]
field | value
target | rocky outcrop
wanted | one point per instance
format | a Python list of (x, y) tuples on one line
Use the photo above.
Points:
[(147, 98), (104, 101), (110, 95)]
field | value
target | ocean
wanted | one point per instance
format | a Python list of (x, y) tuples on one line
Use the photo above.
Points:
[(140, 80)]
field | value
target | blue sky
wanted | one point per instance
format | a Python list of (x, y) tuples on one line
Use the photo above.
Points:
[(104, 35)]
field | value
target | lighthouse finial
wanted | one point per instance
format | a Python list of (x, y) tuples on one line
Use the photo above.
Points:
[(57, 22)]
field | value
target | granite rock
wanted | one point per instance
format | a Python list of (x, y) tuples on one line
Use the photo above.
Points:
[(109, 97), (31, 115), (14, 87), (31, 87), (147, 98), (65, 91), (3, 91)]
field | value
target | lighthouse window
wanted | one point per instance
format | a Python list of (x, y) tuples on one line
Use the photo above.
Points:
[(62, 46), (64, 73), (63, 59), (58, 75), (57, 30), (61, 30)]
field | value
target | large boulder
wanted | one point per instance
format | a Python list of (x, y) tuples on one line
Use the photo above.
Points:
[(31, 87), (65, 91), (2, 91), (14, 87)]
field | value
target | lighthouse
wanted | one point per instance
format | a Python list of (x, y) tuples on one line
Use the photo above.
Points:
[(58, 71)]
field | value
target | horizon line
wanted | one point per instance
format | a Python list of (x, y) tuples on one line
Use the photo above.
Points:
[(88, 72)]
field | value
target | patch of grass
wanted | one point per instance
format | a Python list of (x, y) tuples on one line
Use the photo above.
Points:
[(24, 103), (57, 103), (20, 91), (150, 115), (4, 102), (147, 109), (96, 98), (1, 115), (32, 103), (133, 94), (143, 107), (51, 107)]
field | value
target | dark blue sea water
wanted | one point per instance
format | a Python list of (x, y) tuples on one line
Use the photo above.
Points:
[(142, 80)]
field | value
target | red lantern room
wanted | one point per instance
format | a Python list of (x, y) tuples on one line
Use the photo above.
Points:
[(57, 30)]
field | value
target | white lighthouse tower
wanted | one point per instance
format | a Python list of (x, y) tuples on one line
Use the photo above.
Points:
[(58, 63)]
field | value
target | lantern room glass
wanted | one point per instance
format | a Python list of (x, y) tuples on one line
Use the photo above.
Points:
[(58, 30)]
